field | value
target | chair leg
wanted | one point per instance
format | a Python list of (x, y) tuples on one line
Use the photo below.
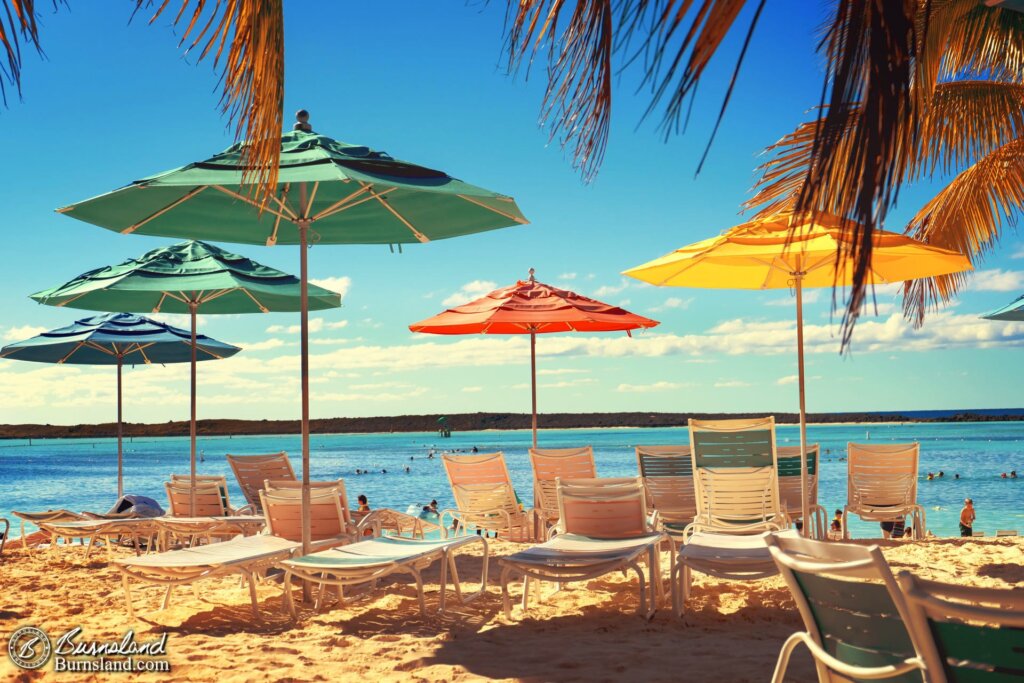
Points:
[(287, 602), (506, 603), (167, 596), (419, 590), (128, 597), (784, 654), (253, 597)]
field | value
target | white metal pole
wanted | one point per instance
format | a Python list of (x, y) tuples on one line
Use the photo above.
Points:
[(805, 507), (533, 382), (192, 306), (120, 433)]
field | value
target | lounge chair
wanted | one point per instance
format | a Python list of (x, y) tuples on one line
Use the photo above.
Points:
[(47, 516), (142, 532), (603, 527), (1005, 532), (211, 499), (854, 612), (550, 464), (366, 562), (667, 472), (398, 523), (248, 556), (882, 485), (736, 480), (284, 514), (790, 489), (252, 470), (202, 482), (484, 497), (210, 529), (966, 633)]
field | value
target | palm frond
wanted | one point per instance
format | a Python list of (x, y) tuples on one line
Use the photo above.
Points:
[(983, 40), (969, 216), (676, 40), (18, 23), (246, 41)]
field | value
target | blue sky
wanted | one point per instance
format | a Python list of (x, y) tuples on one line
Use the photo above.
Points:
[(425, 82)]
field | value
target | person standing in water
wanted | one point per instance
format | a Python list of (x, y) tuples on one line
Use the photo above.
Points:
[(967, 517)]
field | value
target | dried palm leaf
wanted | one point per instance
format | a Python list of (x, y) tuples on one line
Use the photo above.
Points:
[(18, 23)]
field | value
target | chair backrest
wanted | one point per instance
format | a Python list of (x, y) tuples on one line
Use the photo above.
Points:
[(480, 483), (789, 476), (550, 464), (967, 634), (211, 498), (252, 470), (849, 601), (602, 508), (735, 473), (882, 475), (282, 508), (667, 473), (293, 485), (478, 468)]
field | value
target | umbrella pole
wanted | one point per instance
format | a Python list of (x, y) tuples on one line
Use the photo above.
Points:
[(192, 306), (805, 508), (120, 433), (533, 382), (303, 226)]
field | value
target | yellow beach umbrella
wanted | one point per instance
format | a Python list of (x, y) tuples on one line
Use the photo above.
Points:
[(784, 252)]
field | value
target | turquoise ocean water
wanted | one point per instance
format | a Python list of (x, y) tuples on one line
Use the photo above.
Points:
[(81, 474)]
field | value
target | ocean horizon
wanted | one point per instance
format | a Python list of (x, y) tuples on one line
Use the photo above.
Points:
[(80, 474)]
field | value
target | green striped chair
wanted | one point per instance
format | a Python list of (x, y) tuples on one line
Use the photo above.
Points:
[(667, 472), (789, 487), (853, 610), (966, 634)]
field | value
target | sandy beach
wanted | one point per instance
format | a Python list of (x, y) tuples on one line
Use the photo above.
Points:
[(588, 632)]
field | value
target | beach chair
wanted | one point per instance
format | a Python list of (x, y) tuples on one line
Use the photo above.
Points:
[(5, 533), (188, 531), (207, 480), (284, 517), (603, 527), (736, 481), (790, 490), (667, 473), (366, 562), (47, 516), (252, 470), (882, 485), (248, 556), (1005, 532), (550, 464), (484, 497), (853, 611), (211, 497), (142, 532), (965, 633)]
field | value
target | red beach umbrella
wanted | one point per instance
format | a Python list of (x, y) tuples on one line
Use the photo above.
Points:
[(532, 307)]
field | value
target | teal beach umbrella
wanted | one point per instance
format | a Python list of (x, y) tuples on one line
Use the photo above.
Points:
[(190, 277), (328, 192), (1012, 311), (117, 339)]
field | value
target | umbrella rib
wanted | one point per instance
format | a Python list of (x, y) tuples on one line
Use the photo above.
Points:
[(312, 196), (336, 206), (379, 197), (250, 202), (71, 352), (142, 352), (180, 200), (217, 294), (71, 300), (509, 216), (255, 300)]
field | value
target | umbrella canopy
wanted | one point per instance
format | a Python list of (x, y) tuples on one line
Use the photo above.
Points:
[(117, 339), (186, 278), (531, 307), (787, 252), (328, 192), (168, 279), (1012, 311)]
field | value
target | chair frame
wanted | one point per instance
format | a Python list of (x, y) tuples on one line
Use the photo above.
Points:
[(929, 599), (887, 512), (837, 559), (251, 471), (507, 516), (550, 464), (207, 487), (664, 486)]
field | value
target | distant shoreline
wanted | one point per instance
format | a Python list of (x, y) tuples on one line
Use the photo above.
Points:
[(480, 422)]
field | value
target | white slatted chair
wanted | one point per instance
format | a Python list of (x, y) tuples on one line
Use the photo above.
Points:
[(484, 497), (550, 464), (882, 485), (252, 470)]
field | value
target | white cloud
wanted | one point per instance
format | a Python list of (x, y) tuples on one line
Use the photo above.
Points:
[(811, 296), (793, 379), (997, 280), (316, 324), (23, 332), (624, 303), (468, 292), (647, 388), (673, 302), (265, 345), (567, 276), (562, 371), (340, 285), (731, 384), (472, 390), (563, 384), (609, 290), (1018, 252), (337, 325)]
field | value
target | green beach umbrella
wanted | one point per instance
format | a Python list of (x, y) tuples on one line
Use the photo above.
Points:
[(189, 277), (328, 192), (1011, 311), (117, 339)]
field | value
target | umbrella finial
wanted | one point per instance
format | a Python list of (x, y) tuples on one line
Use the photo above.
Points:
[(532, 278), (302, 121)]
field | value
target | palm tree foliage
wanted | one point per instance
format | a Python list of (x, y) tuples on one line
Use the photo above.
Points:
[(969, 123)]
